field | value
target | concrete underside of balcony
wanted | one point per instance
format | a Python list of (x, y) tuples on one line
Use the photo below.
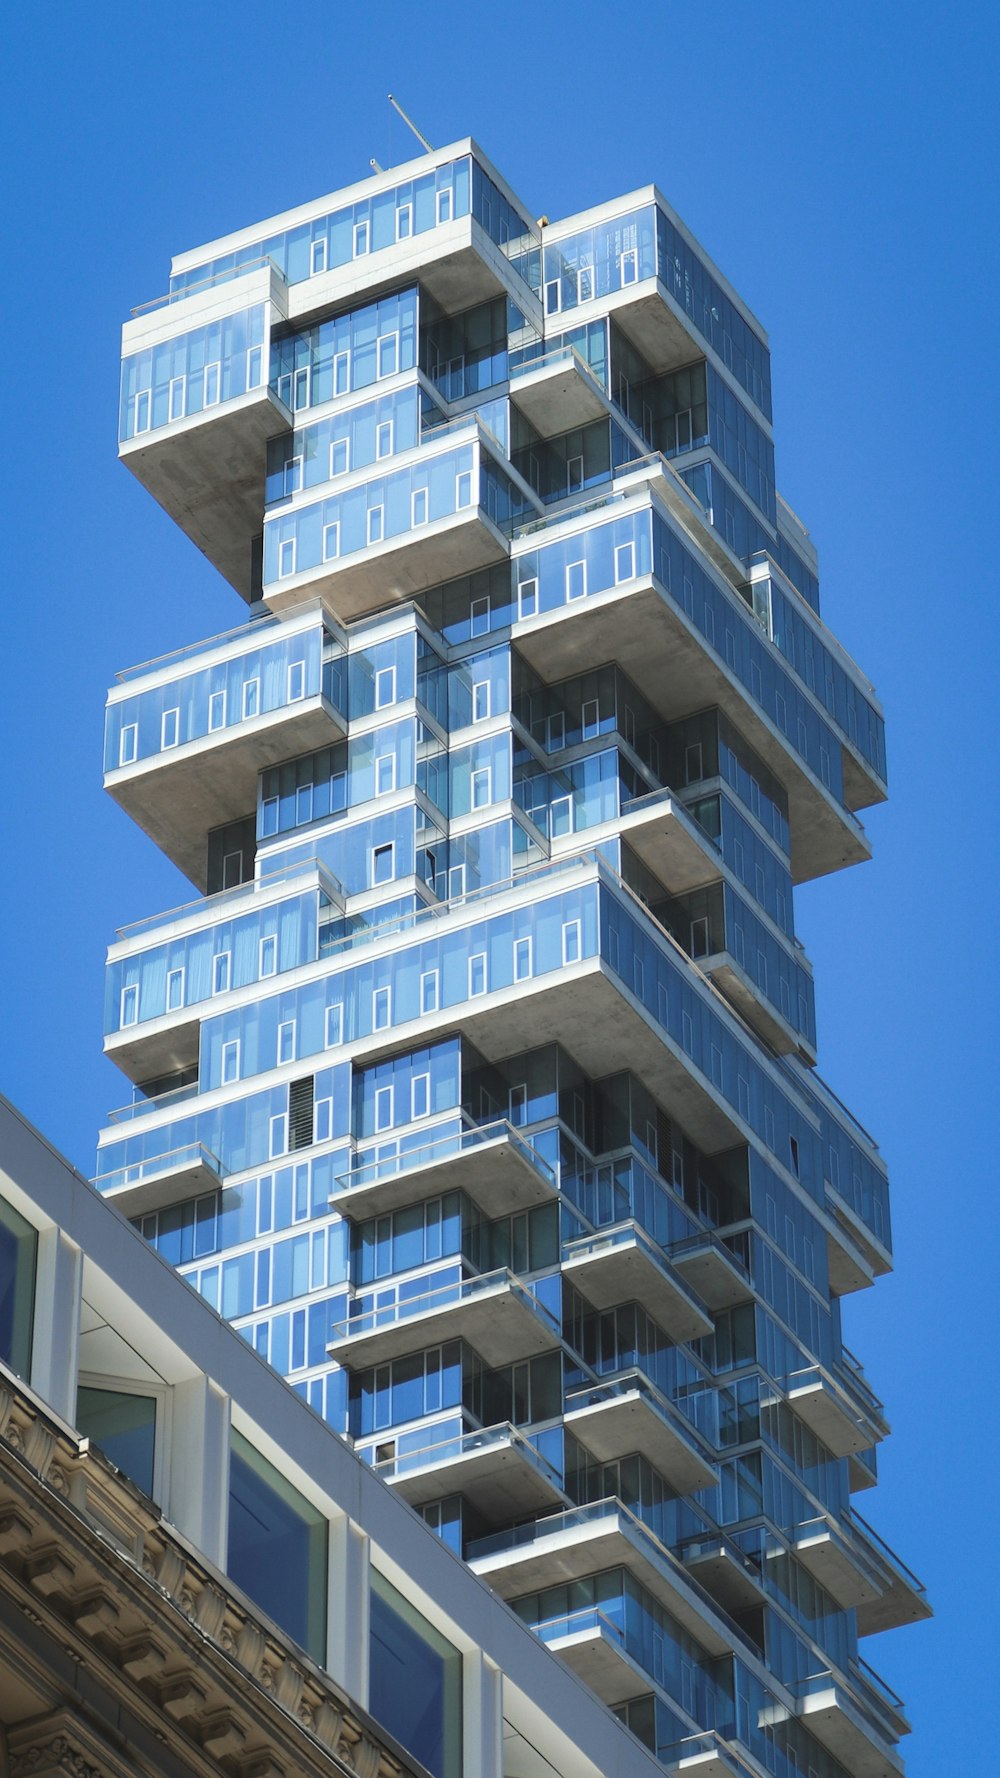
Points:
[(498, 1480), (557, 397), (498, 1324), (670, 844), (622, 1424), (174, 1185), (849, 1269), (456, 263), (178, 796), (602, 1663), (714, 1276), (830, 1416), (836, 1722), (207, 473), (495, 1175), (735, 1585), (829, 1560), (157, 1048), (628, 1273), (752, 1007), (654, 642)]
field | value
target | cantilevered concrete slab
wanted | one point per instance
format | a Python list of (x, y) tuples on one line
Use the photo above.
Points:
[(497, 1471), (558, 393), (837, 1563), (670, 843), (622, 1266), (832, 1415), (501, 1320), (501, 1174), (612, 1422), (156, 1184), (750, 1003), (597, 1655), (707, 1265), (726, 1573)]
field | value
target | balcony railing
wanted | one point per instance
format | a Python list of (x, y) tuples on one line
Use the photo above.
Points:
[(447, 1296), (460, 1142), (466, 1444), (192, 1156)]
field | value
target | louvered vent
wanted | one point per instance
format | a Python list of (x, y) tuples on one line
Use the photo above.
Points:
[(300, 1113)]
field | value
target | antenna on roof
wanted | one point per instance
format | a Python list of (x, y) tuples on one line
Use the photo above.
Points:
[(410, 124), (374, 163)]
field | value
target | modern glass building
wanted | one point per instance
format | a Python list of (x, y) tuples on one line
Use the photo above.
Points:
[(477, 1084)]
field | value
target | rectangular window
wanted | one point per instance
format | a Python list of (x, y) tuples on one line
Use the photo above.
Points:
[(383, 864), (522, 959), (141, 409), (216, 710), (267, 955), (385, 687), (418, 507), (444, 204), (175, 989), (331, 541), (169, 728), (574, 475), (517, 1105), (251, 697), (456, 881), (301, 387), (323, 1120), (527, 598), (277, 1549), (340, 457), (176, 400), (481, 700), (383, 439), (317, 257), (553, 297), (296, 681), (576, 580), (381, 1009), (463, 489), (128, 744), (221, 969), (590, 717), (254, 366), (572, 945), (385, 774), (278, 1135), (560, 817), (420, 1096), (341, 373), (699, 937), (584, 283), (624, 561), (232, 870), (479, 617), (628, 266), (477, 975), (404, 222), (230, 1061), (292, 475), (429, 991), (286, 1041), (375, 524), (334, 1026), (360, 238), (286, 558), (388, 355), (130, 1004), (383, 1108), (481, 792), (693, 763), (212, 385)]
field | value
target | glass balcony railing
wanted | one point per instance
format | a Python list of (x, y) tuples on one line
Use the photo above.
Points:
[(194, 1157), (709, 1747), (209, 904), (579, 1623), (470, 1140), (481, 1440), (464, 1290)]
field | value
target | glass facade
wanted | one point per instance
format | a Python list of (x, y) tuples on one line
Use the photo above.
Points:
[(480, 1094)]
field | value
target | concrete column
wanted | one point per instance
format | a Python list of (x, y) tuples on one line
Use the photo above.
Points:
[(198, 1475), (347, 1608), (482, 1716), (55, 1346)]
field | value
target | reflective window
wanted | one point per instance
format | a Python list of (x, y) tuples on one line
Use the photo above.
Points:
[(416, 1681), (124, 1426), (277, 1546), (18, 1252)]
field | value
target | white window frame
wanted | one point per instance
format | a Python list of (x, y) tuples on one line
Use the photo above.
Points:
[(175, 975), (584, 283), (331, 541), (553, 296), (464, 475), (268, 945), (227, 860), (317, 256), (361, 237), (128, 744), (385, 774), (229, 1065), (386, 850), (517, 1104), (128, 1002), (322, 1120), (555, 732), (456, 882), (211, 379), (384, 1108), (560, 802), (216, 710), (575, 475), (255, 364), (479, 608), (375, 524), (423, 1081), (222, 972), (444, 205), (523, 959), (292, 475), (301, 387), (278, 1135), (628, 266), (590, 724), (430, 990), (419, 508), (482, 700), (344, 445), (698, 938), (624, 562), (142, 411), (527, 601), (479, 779), (250, 700), (286, 557), (166, 726), (579, 580), (334, 1026), (177, 398), (404, 233), (382, 675), (296, 682), (572, 942), (383, 344), (286, 1038), (477, 962), (384, 431), (381, 1009)]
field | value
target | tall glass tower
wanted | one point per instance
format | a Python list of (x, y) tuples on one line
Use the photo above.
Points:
[(477, 1086)]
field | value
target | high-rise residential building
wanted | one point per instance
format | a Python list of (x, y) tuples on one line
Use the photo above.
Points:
[(478, 1086)]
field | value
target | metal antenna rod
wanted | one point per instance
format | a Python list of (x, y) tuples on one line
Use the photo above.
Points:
[(410, 124), (374, 163)]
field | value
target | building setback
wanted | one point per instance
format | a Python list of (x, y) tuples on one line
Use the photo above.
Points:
[(478, 1087)]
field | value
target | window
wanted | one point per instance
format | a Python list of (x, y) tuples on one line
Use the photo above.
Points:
[(175, 989), (624, 561), (590, 717), (517, 1105), (251, 697), (444, 204), (574, 475), (383, 1108), (385, 687), (576, 580), (124, 1426), (628, 266), (216, 710), (385, 774), (383, 864), (128, 744), (278, 1142), (360, 238), (416, 1679), (388, 355), (331, 541), (404, 222), (418, 506), (375, 524), (267, 955), (212, 384), (420, 1096), (522, 959), (277, 1549), (693, 763), (130, 1004), (383, 439), (254, 364), (286, 1041), (176, 399), (296, 681), (169, 728), (286, 558), (479, 617), (553, 297), (481, 792), (793, 1155), (699, 937), (456, 881), (480, 700), (341, 373), (301, 384), (381, 1009), (334, 1026), (317, 257), (572, 946), (555, 732), (527, 598), (429, 991), (292, 475), (584, 283), (221, 967), (340, 457), (560, 817), (477, 975), (232, 870), (230, 1061), (323, 1120), (463, 489)]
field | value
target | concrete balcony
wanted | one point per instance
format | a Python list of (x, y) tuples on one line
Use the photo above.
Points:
[(558, 392), (622, 1265), (848, 1265), (178, 795), (669, 842), (754, 1008), (832, 1555), (594, 1647), (712, 1271), (902, 1598), (627, 1413), (843, 1418), (875, 1251), (862, 1470), (858, 1725), (589, 1539), (494, 1313), (156, 1184), (492, 1164), (707, 1755), (496, 1469), (725, 1572)]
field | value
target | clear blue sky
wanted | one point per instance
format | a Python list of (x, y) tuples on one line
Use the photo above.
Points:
[(840, 162)]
